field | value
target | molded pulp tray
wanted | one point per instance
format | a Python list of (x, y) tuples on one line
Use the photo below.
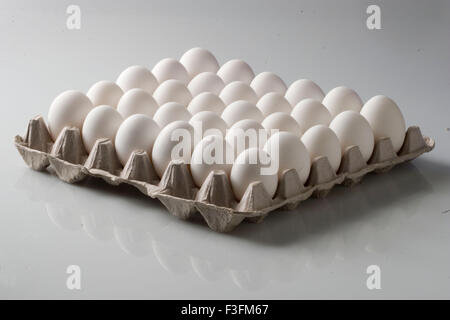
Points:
[(214, 200)]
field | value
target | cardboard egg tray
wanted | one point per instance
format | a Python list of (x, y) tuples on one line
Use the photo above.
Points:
[(214, 201)]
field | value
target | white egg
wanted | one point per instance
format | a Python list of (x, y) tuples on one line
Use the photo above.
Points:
[(320, 140), (310, 112), (287, 150), (206, 82), (169, 68), (236, 70), (101, 122), (137, 77), (170, 112), (137, 101), (342, 99), (246, 134), (303, 89), (174, 142), (212, 153), (273, 102), (352, 129), (206, 101), (253, 165), (69, 109), (105, 93), (282, 122), (266, 82), (386, 120), (172, 91), (239, 110), (208, 123), (238, 90), (137, 132), (198, 60)]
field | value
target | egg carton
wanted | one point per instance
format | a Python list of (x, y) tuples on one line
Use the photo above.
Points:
[(214, 200)]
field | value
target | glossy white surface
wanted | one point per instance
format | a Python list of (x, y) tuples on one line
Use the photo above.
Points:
[(128, 246)]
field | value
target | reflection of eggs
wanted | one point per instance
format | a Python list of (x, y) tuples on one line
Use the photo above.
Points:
[(169, 68), (101, 122), (303, 89), (241, 110), (238, 90), (174, 142), (236, 70), (208, 123), (352, 129), (206, 101), (342, 99), (172, 91), (386, 120), (68, 110), (137, 101), (246, 134), (137, 77), (105, 92), (320, 140), (286, 149), (247, 169), (170, 112), (273, 102), (266, 82), (206, 82), (310, 112), (282, 122), (198, 60), (137, 132), (211, 153)]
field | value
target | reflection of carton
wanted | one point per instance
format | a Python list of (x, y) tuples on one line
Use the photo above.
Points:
[(214, 201)]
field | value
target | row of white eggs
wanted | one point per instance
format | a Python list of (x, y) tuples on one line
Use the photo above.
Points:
[(139, 132)]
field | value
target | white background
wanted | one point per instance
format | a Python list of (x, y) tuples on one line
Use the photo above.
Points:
[(128, 246)]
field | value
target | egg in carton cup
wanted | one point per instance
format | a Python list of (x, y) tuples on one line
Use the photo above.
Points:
[(214, 200)]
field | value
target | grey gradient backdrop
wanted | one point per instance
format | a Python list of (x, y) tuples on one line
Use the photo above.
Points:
[(129, 247)]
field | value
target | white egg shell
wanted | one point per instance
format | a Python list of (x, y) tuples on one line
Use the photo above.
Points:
[(137, 101), (174, 142), (386, 120), (310, 112), (320, 140), (137, 77), (238, 90), (212, 153), (206, 101), (282, 122), (239, 110), (206, 82), (105, 93), (266, 82), (352, 129), (69, 109), (246, 134), (342, 99), (273, 102), (207, 123), (172, 91), (198, 60), (101, 122), (247, 169), (170, 112), (236, 70), (169, 68), (303, 89), (287, 150), (137, 132)]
